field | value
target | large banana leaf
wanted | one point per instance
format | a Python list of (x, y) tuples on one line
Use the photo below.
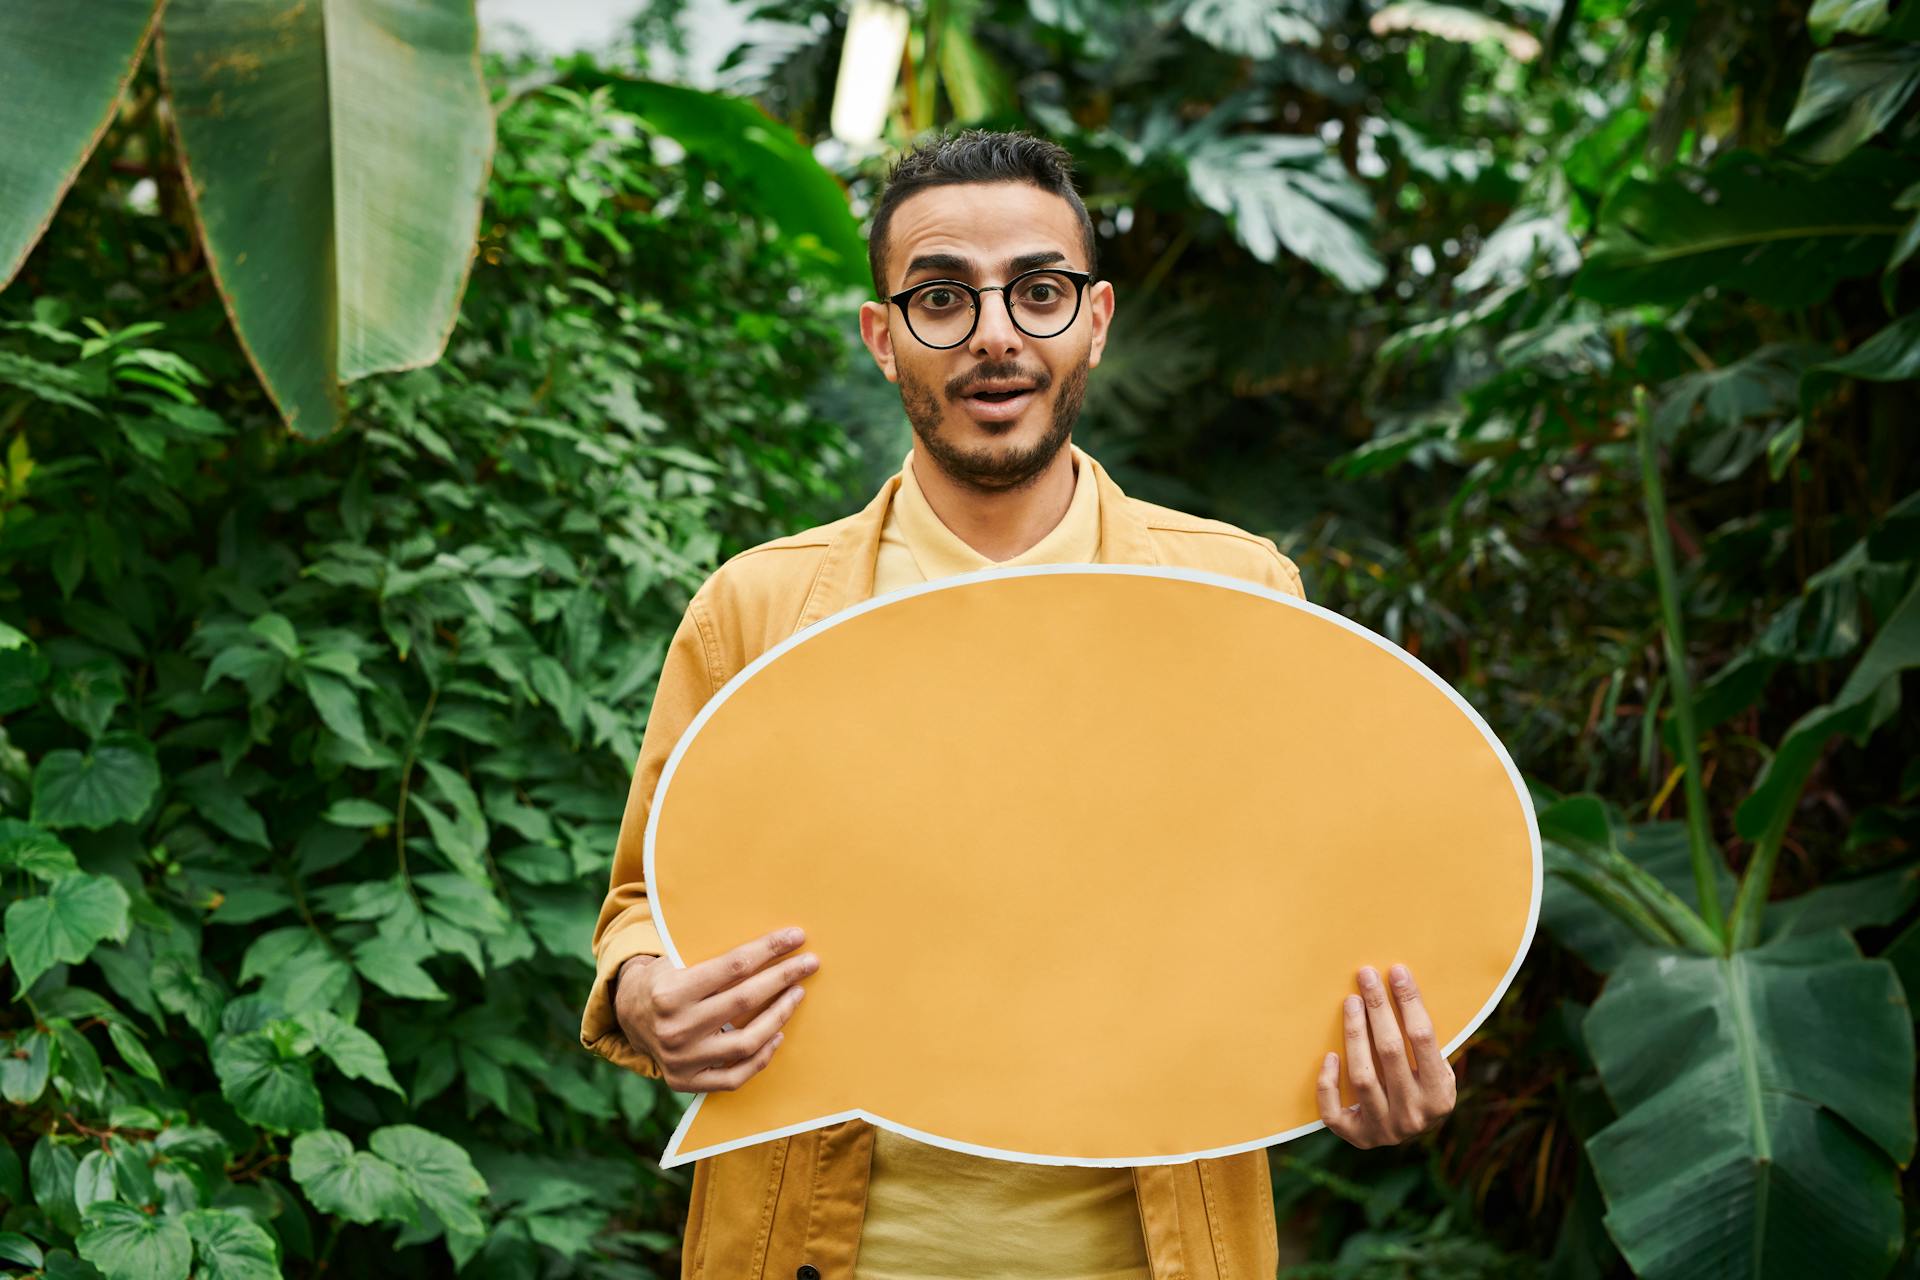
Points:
[(1775, 232), (1765, 1103), (767, 165), (337, 154), (60, 79)]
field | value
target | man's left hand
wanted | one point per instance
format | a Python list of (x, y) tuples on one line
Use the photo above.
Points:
[(1403, 1085)]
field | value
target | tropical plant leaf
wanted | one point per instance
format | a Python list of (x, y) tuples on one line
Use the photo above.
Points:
[(41, 854), (1253, 28), (24, 1065), (438, 1171), (1746, 225), (352, 1050), (266, 1083), (64, 924), (358, 1185), (768, 167), (1870, 695), (1281, 190), (63, 82), (1829, 18), (337, 153), (1849, 95), (127, 1244), (1765, 1106), (112, 782), (231, 1246)]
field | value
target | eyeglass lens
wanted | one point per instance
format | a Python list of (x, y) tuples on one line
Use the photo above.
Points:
[(1042, 306)]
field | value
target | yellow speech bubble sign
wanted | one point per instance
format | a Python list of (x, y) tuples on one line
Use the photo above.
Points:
[(1090, 855)]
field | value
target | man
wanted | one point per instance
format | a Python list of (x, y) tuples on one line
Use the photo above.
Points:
[(989, 319)]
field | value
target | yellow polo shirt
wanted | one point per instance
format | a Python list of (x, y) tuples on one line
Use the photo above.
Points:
[(934, 1213)]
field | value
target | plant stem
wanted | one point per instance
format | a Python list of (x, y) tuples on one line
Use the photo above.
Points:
[(1699, 839)]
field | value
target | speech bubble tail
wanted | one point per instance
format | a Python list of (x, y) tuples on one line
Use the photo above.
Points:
[(708, 1130)]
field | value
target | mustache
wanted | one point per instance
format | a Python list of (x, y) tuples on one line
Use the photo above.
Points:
[(1006, 371)]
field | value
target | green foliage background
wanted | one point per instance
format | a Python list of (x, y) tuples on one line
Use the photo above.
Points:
[(313, 753)]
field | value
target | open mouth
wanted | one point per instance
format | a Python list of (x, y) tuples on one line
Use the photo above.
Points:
[(999, 397)]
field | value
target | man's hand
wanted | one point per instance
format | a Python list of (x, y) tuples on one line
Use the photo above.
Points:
[(679, 1015), (1395, 1102)]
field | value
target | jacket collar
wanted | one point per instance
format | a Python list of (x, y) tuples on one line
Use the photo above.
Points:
[(846, 572)]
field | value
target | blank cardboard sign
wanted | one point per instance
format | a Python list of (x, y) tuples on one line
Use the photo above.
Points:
[(1090, 855)]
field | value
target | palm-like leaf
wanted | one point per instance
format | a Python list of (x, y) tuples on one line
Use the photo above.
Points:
[(1765, 1105), (337, 153), (59, 82)]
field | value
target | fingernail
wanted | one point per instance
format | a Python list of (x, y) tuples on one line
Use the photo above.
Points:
[(1353, 1004), (778, 1036), (1331, 1059), (792, 938), (1400, 974), (1368, 978), (809, 963), (799, 994)]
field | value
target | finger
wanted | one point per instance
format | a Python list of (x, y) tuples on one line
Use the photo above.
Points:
[(1425, 1045), (1326, 1092), (1360, 1072), (729, 1047), (703, 979), (1389, 1047), (719, 1079), (737, 1004)]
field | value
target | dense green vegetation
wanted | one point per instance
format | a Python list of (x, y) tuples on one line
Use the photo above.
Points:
[(315, 752), (1572, 346)]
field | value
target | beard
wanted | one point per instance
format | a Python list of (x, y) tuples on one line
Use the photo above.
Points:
[(987, 469)]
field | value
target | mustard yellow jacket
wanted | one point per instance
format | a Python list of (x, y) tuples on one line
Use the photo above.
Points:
[(792, 1207)]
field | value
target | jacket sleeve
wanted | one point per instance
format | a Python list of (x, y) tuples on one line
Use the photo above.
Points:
[(625, 927), (1286, 574)]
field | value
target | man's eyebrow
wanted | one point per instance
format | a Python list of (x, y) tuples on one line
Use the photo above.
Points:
[(1028, 261), (952, 264)]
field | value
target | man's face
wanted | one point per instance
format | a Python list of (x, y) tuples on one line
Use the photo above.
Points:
[(957, 399)]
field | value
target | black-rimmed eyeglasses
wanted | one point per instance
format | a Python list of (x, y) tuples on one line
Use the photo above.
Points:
[(1042, 303)]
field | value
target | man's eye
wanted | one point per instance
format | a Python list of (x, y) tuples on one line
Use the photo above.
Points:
[(939, 299)]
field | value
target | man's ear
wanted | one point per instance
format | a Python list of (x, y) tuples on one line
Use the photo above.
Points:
[(879, 339), (1100, 309)]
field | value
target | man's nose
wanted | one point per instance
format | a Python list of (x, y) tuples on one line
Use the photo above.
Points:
[(996, 334)]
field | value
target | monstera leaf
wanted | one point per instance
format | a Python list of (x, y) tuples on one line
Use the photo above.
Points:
[(1254, 28), (1750, 225), (1765, 1106), (60, 80), (336, 152), (1282, 190)]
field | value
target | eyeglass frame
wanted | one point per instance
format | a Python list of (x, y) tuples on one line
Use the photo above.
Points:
[(1081, 279)]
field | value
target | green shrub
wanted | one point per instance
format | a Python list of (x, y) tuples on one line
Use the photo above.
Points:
[(313, 754)]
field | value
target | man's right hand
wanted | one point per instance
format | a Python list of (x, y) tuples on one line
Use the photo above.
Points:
[(678, 1016)]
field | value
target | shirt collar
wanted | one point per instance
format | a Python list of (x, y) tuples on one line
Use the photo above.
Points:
[(940, 552), (845, 575)]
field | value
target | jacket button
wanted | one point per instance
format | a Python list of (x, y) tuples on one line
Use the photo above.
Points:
[(807, 1271)]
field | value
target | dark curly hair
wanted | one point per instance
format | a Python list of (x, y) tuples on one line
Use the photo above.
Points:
[(974, 155)]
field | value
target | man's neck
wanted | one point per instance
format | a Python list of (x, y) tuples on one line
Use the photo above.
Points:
[(999, 525)]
